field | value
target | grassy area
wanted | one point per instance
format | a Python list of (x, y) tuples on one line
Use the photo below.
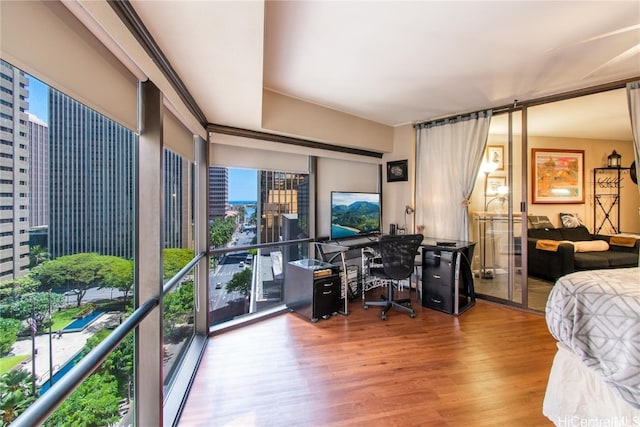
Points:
[(63, 317), (6, 363)]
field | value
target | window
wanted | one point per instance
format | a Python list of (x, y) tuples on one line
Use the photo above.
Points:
[(249, 207), (71, 176)]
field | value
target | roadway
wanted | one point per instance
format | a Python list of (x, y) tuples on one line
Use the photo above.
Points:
[(228, 266)]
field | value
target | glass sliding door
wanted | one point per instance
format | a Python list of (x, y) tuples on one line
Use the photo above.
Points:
[(496, 220)]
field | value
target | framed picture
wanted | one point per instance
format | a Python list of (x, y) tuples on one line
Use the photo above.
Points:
[(495, 154), (557, 176), (494, 183), (397, 171)]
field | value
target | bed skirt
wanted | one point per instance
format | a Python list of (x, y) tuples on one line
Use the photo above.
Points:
[(576, 395)]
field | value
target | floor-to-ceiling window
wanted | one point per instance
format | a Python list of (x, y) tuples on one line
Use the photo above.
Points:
[(257, 213), (67, 233)]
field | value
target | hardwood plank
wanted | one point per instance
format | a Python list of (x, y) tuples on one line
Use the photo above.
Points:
[(487, 367)]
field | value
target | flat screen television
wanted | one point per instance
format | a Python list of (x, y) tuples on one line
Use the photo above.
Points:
[(354, 214)]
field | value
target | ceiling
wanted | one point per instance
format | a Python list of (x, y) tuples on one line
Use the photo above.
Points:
[(399, 62)]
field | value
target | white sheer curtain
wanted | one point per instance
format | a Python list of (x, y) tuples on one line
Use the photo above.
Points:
[(448, 157), (633, 95)]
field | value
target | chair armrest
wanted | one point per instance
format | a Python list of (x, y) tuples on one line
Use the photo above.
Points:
[(619, 248), (550, 264)]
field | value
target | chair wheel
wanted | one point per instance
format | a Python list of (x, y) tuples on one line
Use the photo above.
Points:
[(366, 307), (413, 315), (383, 317)]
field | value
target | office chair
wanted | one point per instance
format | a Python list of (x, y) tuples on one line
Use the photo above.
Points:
[(398, 253)]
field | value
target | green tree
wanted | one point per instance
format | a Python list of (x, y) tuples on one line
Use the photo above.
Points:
[(93, 403), (178, 307), (13, 288), (240, 282), (36, 304), (174, 260), (221, 231), (37, 255), (86, 270), (117, 273), (242, 212), (81, 271), (9, 329), (15, 394)]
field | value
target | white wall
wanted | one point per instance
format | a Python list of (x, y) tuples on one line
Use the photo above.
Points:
[(397, 195), (341, 175)]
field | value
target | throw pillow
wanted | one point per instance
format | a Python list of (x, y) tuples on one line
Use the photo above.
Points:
[(571, 220), (539, 221), (591, 246), (576, 234)]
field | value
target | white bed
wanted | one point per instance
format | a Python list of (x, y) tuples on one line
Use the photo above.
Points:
[(595, 377)]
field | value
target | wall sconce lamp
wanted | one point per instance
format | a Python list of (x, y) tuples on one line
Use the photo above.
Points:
[(614, 160), (487, 168), (502, 196)]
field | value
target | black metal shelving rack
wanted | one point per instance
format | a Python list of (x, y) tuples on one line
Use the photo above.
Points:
[(606, 198)]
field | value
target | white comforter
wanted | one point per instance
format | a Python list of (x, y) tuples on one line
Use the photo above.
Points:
[(597, 315)]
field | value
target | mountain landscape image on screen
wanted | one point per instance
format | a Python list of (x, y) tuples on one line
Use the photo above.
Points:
[(351, 218)]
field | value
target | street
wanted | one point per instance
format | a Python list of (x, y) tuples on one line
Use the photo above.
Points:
[(229, 265)]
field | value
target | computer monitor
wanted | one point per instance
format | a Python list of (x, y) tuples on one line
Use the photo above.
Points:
[(354, 214)]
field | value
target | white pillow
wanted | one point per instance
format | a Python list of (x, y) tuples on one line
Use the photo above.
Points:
[(591, 246)]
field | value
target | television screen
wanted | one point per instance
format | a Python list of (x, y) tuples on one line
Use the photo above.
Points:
[(354, 214)]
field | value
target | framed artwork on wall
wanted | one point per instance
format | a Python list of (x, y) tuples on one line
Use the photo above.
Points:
[(494, 183), (557, 176), (398, 171), (495, 154)]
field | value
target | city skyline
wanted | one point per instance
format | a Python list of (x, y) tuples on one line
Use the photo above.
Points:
[(242, 182)]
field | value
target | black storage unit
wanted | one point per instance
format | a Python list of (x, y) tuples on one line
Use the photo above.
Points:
[(447, 283), (312, 288)]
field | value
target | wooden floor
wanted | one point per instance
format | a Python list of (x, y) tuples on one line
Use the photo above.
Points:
[(487, 367)]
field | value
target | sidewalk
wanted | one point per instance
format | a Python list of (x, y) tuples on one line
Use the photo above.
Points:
[(63, 348)]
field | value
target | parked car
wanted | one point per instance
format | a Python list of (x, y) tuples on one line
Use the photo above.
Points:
[(219, 285)]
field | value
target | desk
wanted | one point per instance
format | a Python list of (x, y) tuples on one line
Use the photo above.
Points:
[(444, 270), (339, 252)]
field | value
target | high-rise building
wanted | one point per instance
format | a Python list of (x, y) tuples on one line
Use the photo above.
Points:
[(279, 194), (218, 192), (38, 172), (176, 201), (91, 186), (14, 173)]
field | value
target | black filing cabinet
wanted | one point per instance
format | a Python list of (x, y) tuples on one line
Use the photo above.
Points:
[(446, 283), (312, 288)]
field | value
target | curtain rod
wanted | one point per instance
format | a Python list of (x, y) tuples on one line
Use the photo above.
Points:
[(518, 105)]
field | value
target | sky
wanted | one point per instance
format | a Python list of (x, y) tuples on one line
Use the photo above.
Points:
[(243, 184), (38, 93)]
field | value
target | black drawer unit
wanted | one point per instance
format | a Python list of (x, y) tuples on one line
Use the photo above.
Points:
[(312, 288), (444, 280), (437, 276)]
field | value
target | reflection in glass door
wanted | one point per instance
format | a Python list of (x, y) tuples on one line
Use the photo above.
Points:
[(496, 223)]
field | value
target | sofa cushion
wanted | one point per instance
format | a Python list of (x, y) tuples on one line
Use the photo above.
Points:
[(622, 259), (545, 233), (591, 246), (575, 234), (591, 260)]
